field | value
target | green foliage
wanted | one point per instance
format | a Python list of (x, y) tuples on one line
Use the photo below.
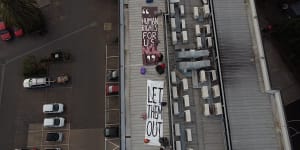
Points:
[(34, 68), (22, 13), (288, 34)]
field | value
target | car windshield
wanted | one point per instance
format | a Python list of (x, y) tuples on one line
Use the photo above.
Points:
[(52, 136), (55, 107), (56, 121), (30, 82)]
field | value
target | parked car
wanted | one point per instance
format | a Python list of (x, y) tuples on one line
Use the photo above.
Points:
[(55, 122), (36, 82), (53, 148), (54, 136), (60, 56), (53, 108), (111, 132), (112, 89), (18, 32), (113, 75), (62, 79), (4, 33)]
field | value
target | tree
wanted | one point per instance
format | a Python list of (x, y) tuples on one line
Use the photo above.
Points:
[(22, 13), (33, 67)]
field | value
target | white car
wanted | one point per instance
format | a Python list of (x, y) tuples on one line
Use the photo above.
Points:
[(55, 122), (53, 108), (36, 82)]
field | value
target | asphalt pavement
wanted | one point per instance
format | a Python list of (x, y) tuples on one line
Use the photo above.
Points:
[(76, 26)]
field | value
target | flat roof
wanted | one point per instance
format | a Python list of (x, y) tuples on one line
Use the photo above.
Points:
[(136, 83)]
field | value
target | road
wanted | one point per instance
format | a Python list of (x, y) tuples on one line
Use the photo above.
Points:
[(76, 26)]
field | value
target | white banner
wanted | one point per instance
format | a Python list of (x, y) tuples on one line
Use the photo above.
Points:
[(154, 122)]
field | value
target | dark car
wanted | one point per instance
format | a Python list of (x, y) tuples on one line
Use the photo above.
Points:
[(54, 136), (60, 56), (111, 132)]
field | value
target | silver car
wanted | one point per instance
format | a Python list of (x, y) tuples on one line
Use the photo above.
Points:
[(53, 108)]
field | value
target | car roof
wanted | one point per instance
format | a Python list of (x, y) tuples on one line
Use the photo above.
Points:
[(40, 80), (49, 121), (34, 81), (48, 107)]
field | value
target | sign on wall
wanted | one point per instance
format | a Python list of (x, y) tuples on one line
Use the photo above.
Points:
[(150, 36), (154, 121)]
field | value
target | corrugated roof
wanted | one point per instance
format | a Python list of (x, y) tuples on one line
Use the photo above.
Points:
[(249, 110)]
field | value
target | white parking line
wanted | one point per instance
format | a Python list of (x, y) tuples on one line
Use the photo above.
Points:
[(112, 69), (42, 138), (112, 109), (112, 57), (105, 146), (54, 145), (113, 143), (34, 131), (112, 95), (33, 146), (107, 98), (112, 124), (110, 82), (69, 135), (116, 147), (58, 129)]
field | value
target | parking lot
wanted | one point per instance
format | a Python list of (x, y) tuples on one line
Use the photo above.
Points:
[(112, 102), (78, 28), (37, 136)]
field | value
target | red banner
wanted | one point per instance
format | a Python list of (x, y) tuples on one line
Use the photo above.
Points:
[(150, 41)]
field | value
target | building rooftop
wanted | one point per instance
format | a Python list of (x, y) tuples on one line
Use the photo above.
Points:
[(135, 82)]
